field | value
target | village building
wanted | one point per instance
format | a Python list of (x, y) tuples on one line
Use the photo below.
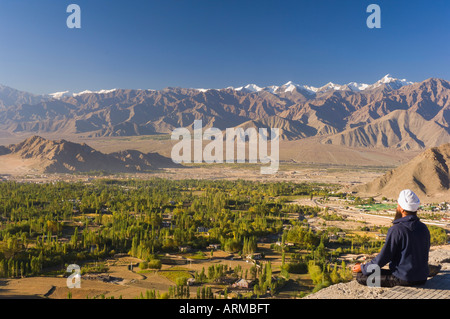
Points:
[(255, 256), (185, 249), (213, 247), (202, 229), (190, 281), (243, 284)]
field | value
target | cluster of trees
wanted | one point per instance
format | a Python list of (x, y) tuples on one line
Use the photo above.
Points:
[(153, 263), (302, 236), (325, 274), (361, 201), (179, 292), (249, 246), (19, 268), (332, 216), (214, 273), (56, 224), (320, 263), (265, 280)]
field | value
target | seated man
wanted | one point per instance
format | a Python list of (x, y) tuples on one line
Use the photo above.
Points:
[(406, 248)]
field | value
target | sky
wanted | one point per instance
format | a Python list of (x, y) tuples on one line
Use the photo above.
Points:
[(153, 44)]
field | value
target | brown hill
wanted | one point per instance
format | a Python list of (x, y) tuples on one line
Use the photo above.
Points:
[(289, 130), (427, 174), (400, 129), (63, 156)]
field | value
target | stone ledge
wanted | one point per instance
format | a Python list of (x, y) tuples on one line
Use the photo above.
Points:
[(437, 287)]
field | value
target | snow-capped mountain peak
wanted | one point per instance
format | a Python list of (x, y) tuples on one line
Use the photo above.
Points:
[(289, 86), (354, 86), (330, 86), (250, 87), (387, 79), (392, 82)]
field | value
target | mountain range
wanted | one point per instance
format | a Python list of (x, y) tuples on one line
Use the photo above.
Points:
[(290, 86), (389, 113)]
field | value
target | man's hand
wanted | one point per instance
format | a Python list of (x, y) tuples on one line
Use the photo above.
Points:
[(357, 268)]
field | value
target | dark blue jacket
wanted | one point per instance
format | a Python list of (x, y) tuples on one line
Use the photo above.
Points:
[(406, 250)]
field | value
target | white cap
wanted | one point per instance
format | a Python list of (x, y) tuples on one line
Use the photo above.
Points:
[(408, 200)]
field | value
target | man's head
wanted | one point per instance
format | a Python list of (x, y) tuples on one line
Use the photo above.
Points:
[(408, 203)]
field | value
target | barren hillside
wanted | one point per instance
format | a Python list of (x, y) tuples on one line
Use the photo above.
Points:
[(37, 154), (427, 174)]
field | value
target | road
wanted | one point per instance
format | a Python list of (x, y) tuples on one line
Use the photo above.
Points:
[(370, 217)]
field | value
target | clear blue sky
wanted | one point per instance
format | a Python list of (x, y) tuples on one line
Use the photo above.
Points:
[(147, 44)]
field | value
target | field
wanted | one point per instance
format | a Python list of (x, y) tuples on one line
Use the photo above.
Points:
[(130, 284)]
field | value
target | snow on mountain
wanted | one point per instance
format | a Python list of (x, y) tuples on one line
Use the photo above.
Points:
[(331, 86), (290, 86), (357, 86), (250, 88), (393, 83), (95, 92), (59, 95), (272, 88), (388, 81)]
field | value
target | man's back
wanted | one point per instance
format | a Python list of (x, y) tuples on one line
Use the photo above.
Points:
[(410, 259)]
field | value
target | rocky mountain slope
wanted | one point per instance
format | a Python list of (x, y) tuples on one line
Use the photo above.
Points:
[(12, 97)]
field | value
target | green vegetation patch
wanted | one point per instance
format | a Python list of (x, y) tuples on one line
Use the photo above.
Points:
[(378, 207), (176, 274)]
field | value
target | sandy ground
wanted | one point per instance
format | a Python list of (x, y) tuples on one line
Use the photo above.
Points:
[(299, 174), (308, 150), (347, 177), (14, 165)]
